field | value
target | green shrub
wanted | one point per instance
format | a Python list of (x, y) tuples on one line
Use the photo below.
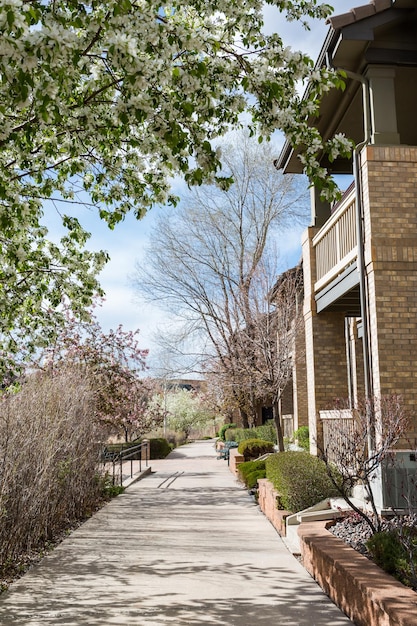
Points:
[(222, 431), (302, 437), (110, 490), (254, 448), (252, 478), (240, 434), (250, 471), (229, 434), (267, 431), (300, 479), (159, 448), (386, 550), (395, 551)]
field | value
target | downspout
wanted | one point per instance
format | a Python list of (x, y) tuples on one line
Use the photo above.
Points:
[(351, 395), (363, 290), (360, 233)]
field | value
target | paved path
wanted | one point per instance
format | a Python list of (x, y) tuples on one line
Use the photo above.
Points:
[(184, 545)]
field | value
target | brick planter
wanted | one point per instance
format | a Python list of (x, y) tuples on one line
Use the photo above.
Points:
[(235, 459), (267, 499), (367, 595)]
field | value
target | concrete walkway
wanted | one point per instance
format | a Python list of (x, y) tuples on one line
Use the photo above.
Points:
[(184, 545)]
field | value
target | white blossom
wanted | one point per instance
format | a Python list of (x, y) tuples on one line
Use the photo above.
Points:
[(112, 99)]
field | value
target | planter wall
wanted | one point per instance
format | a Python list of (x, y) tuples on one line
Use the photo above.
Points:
[(267, 500), (367, 595), (235, 459)]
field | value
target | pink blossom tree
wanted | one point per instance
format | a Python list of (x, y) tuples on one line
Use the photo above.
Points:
[(112, 362)]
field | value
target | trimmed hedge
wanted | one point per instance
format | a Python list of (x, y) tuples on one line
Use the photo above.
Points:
[(267, 432), (250, 471), (240, 434), (159, 448), (300, 479), (254, 448), (222, 431)]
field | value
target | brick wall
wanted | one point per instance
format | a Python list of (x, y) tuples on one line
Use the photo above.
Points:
[(390, 211), (389, 177), (367, 595), (267, 500)]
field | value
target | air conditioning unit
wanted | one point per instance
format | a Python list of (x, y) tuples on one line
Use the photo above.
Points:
[(395, 483)]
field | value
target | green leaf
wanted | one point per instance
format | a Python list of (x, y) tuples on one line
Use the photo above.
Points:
[(188, 108)]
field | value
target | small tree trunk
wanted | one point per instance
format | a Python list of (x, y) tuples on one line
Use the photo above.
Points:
[(278, 426), (244, 418)]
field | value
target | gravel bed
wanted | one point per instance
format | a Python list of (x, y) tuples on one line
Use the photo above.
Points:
[(355, 532)]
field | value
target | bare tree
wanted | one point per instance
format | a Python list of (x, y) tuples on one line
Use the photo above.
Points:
[(269, 343), (204, 256), (260, 355), (361, 440)]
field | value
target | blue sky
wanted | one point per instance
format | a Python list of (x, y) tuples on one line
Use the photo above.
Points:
[(126, 244)]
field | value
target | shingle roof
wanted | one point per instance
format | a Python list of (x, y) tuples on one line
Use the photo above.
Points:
[(359, 13)]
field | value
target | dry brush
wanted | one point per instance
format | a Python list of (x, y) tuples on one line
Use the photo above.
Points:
[(49, 456)]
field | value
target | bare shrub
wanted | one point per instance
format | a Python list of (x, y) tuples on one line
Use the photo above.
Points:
[(359, 444), (49, 453)]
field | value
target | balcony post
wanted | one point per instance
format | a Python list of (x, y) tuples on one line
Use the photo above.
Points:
[(320, 209)]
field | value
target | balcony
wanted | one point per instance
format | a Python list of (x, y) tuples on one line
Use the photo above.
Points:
[(335, 247), (335, 243)]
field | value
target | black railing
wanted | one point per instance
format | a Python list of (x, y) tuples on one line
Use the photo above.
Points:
[(139, 452)]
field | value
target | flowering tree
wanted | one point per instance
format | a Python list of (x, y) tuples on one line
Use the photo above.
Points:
[(104, 101), (111, 362), (187, 411), (124, 403)]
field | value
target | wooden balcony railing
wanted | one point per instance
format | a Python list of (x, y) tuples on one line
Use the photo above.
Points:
[(336, 242)]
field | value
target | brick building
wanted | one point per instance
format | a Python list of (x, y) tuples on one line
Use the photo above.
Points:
[(360, 256)]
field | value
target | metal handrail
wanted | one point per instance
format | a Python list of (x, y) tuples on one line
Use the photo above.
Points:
[(124, 455)]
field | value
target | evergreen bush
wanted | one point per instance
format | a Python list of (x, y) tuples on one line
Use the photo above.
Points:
[(394, 549), (300, 479), (254, 448), (115, 448), (159, 448), (222, 431), (386, 550), (240, 434), (267, 431), (250, 471)]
